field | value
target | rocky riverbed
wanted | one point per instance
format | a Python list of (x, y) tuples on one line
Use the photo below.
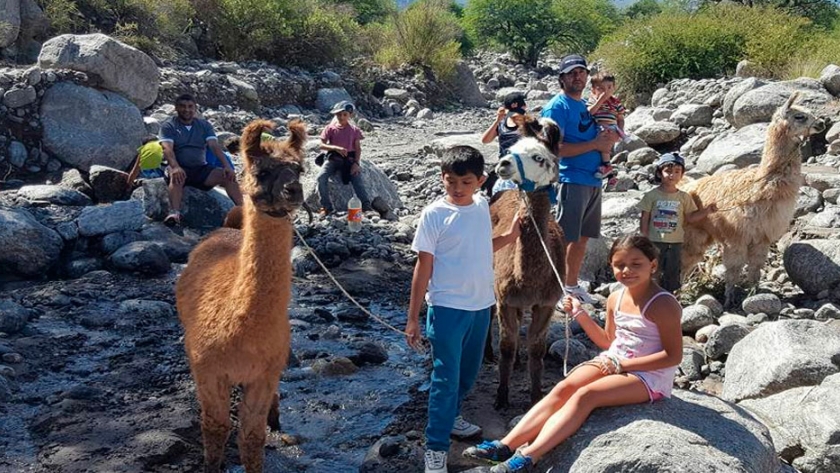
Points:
[(93, 375)]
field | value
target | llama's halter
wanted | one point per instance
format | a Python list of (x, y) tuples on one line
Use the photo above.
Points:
[(344, 291), (524, 196), (528, 185)]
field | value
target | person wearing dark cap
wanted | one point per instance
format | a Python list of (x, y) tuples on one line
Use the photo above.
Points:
[(506, 128), (665, 211), (579, 205)]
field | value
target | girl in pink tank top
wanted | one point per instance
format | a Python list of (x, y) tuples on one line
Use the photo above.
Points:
[(642, 343)]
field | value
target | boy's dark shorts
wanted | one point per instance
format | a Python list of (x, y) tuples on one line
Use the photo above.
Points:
[(579, 211), (670, 265), (196, 176)]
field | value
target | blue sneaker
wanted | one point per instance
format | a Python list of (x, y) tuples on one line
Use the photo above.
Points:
[(517, 463), (493, 451)]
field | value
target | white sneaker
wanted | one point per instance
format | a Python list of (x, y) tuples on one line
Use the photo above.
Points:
[(463, 429), (435, 461), (580, 294)]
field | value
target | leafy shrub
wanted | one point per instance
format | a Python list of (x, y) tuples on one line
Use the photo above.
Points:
[(424, 34), (813, 55), (707, 43), (64, 16), (288, 32)]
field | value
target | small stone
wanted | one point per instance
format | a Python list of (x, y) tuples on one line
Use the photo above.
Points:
[(759, 318), (704, 333), (827, 311), (713, 304), (13, 358), (803, 313), (7, 371), (767, 303)]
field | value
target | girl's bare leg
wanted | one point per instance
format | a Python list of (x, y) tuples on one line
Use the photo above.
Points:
[(612, 390), (529, 427)]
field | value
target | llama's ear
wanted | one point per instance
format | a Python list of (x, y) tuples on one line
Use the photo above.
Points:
[(297, 135), (528, 125), (790, 102), (552, 135)]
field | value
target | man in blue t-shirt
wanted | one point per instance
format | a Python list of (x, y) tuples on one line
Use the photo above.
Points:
[(579, 205), (185, 139)]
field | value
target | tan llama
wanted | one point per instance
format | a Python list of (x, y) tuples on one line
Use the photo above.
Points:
[(524, 278), (756, 204), (233, 299)]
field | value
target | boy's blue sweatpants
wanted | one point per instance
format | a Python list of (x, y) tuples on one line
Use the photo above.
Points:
[(457, 338)]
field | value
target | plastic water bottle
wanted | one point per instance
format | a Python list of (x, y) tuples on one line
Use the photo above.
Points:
[(354, 214)]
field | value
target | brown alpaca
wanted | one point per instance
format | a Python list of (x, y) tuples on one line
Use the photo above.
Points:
[(524, 278), (756, 205), (233, 297)]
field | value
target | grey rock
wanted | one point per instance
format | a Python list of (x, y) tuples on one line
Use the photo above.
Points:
[(176, 247), (827, 311), (27, 248), (741, 148), (154, 310), (813, 265), (376, 184), (658, 133), (56, 195), (735, 93), (140, 256), (767, 303), (638, 118), (120, 67), (578, 353), (756, 319), (67, 230), (328, 97), (199, 209), (334, 366), (830, 79), (489, 151), (722, 340), (645, 437), (116, 240), (72, 179), (425, 114), (695, 317), (713, 304), (809, 200), (13, 316), (5, 390), (400, 95), (83, 126), (109, 218), (17, 154), (465, 87), (804, 423), (79, 267), (758, 105), (730, 319), (781, 355), (642, 157), (691, 363), (692, 114), (10, 19), (16, 98), (704, 333), (109, 185)]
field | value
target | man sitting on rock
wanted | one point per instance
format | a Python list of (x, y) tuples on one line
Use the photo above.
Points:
[(184, 139)]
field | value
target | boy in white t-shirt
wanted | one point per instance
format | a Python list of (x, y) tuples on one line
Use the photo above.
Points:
[(455, 245)]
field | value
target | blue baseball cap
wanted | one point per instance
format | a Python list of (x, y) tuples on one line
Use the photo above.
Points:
[(670, 158), (343, 106), (572, 62)]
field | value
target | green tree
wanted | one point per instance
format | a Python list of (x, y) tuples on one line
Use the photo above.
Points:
[(584, 23), (523, 27), (823, 13), (370, 11), (643, 8)]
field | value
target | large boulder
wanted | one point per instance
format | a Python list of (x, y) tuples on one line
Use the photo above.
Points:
[(27, 248), (199, 209), (692, 114), (142, 257), (735, 93), (782, 355), (830, 79), (689, 433), (490, 151), (120, 67), (110, 218), (53, 194), (758, 105), (805, 425), (9, 21), (813, 265), (34, 27), (13, 316), (330, 96), (109, 185), (83, 126), (741, 148), (376, 184), (465, 87)]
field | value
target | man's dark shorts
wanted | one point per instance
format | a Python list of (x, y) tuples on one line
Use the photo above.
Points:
[(579, 211), (196, 176)]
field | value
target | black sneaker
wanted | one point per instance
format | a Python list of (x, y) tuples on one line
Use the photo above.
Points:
[(494, 451)]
